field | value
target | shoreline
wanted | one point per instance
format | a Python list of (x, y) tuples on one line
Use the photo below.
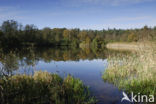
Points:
[(132, 46)]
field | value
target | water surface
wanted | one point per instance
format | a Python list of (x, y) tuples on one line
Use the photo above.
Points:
[(87, 65)]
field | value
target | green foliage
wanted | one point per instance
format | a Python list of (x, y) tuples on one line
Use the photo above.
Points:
[(140, 86), (155, 28), (95, 43), (75, 43), (132, 38), (43, 88), (82, 35), (67, 34), (13, 34)]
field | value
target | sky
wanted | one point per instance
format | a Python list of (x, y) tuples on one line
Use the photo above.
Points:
[(83, 14)]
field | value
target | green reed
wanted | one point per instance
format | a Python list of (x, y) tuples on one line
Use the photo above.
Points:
[(44, 88)]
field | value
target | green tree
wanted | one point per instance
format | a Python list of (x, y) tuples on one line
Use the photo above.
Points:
[(30, 33), (88, 40), (10, 30), (9, 27), (46, 32), (67, 34), (82, 35)]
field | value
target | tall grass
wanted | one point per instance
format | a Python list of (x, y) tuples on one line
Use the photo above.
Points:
[(135, 72), (43, 88)]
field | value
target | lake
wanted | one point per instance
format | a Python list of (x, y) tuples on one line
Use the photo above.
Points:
[(85, 64)]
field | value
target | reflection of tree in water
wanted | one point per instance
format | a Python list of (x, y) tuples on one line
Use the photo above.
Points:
[(27, 58), (9, 63), (13, 60)]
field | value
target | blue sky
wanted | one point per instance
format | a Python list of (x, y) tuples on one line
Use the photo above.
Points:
[(84, 14)]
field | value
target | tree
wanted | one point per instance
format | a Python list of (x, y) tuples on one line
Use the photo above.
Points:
[(91, 35), (82, 35), (154, 27), (1, 34), (95, 43), (1, 37), (9, 27), (58, 34), (67, 34), (88, 40), (46, 32), (14, 34), (30, 33), (145, 28)]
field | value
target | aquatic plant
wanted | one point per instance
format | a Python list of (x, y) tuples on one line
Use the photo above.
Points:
[(43, 88), (135, 72)]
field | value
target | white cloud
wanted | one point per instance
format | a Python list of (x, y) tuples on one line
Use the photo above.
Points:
[(118, 2), (7, 13), (109, 2), (126, 19), (123, 23)]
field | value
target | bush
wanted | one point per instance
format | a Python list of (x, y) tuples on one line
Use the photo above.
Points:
[(43, 88)]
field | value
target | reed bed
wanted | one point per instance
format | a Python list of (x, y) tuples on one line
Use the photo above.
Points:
[(135, 72)]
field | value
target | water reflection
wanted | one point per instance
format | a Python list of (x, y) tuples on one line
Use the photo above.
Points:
[(86, 64)]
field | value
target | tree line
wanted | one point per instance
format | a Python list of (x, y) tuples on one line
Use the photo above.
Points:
[(15, 34)]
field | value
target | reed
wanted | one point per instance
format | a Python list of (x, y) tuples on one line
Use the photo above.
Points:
[(44, 88), (135, 72)]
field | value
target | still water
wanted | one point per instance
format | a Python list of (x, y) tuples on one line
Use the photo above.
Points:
[(87, 65)]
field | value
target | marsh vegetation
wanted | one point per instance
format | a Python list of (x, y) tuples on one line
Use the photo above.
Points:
[(135, 72), (43, 88)]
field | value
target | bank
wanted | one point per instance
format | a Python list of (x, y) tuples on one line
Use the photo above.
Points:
[(134, 72), (133, 46)]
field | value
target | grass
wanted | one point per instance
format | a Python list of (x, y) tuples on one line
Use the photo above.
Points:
[(44, 88), (133, 73), (131, 46)]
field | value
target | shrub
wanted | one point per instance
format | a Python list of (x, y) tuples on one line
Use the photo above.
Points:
[(43, 88)]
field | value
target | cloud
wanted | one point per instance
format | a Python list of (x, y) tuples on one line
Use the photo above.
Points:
[(122, 23), (126, 19), (7, 13), (120, 2), (108, 2)]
